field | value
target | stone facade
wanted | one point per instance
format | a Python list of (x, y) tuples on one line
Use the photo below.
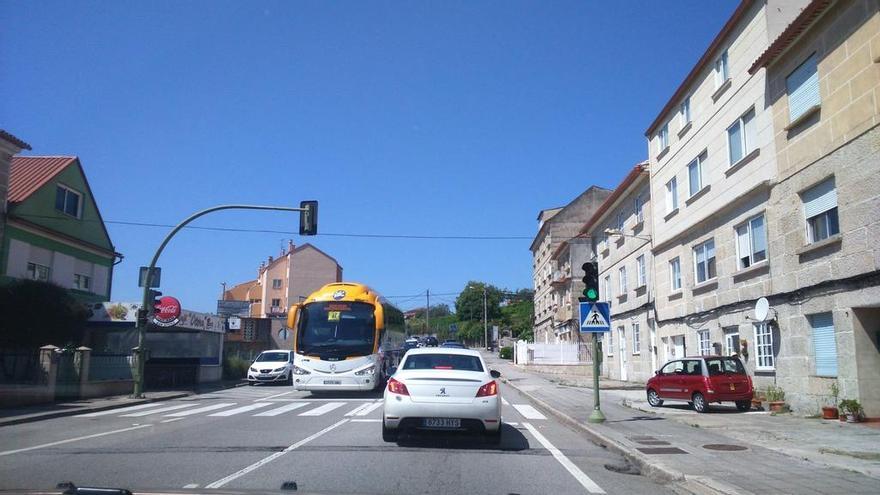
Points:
[(621, 234), (555, 226), (9, 147)]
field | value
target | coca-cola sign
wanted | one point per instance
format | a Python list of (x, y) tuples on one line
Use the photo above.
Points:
[(167, 312)]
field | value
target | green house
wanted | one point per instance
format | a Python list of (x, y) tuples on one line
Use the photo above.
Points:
[(54, 231)]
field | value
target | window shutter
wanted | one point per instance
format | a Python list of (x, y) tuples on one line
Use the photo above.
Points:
[(742, 240), (824, 344), (803, 88), (820, 199)]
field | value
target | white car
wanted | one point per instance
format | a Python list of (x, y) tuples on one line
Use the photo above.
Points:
[(272, 366), (442, 389)]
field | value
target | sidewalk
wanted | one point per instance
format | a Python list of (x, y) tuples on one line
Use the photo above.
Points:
[(673, 446)]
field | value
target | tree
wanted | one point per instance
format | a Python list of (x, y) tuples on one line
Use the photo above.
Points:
[(519, 317), (469, 303), (40, 313)]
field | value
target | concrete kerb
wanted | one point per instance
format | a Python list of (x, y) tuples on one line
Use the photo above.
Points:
[(650, 469), (72, 412)]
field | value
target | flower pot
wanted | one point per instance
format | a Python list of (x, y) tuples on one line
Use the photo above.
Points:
[(852, 418), (829, 412), (776, 406), (756, 404)]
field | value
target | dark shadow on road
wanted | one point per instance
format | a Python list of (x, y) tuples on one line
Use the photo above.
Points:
[(713, 408), (371, 394), (511, 440)]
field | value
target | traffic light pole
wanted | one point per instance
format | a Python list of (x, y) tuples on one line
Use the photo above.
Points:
[(591, 294), (596, 416), (140, 351)]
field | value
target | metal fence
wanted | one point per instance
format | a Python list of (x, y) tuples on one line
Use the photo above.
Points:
[(562, 353), (19, 367), (109, 367)]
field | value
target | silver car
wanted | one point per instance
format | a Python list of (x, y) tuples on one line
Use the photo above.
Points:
[(442, 389)]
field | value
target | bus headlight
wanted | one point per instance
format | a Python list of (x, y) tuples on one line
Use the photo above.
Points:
[(370, 370), (299, 371)]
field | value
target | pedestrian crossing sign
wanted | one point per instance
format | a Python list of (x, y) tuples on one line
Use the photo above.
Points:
[(595, 317)]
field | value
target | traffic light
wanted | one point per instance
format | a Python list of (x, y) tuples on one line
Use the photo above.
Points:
[(308, 218), (591, 281), (153, 298)]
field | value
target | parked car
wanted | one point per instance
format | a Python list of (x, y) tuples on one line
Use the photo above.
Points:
[(431, 342), (453, 344), (272, 366), (410, 344), (702, 380), (442, 389)]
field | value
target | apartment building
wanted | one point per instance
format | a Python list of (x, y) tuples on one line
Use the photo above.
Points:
[(9, 147), (620, 233), (556, 225), (823, 90), (286, 280), (566, 286)]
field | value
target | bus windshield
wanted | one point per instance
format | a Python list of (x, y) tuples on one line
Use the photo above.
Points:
[(336, 329)]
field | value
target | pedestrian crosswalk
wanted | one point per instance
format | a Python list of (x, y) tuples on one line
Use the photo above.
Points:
[(226, 409)]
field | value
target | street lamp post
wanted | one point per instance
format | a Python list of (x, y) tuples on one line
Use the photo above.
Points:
[(485, 317), (140, 351)]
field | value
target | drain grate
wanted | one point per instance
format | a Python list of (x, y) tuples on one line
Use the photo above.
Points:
[(724, 447), (660, 450), (653, 442)]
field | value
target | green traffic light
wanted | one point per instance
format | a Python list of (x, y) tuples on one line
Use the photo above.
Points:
[(591, 294)]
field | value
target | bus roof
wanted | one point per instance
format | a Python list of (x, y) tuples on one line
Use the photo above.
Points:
[(344, 291)]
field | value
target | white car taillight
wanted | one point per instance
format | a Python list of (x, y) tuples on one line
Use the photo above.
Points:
[(488, 389)]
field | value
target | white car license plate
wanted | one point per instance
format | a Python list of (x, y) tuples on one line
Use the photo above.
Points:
[(441, 423), (263, 375), (332, 382)]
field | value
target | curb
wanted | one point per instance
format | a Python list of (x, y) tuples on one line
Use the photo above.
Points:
[(73, 412), (650, 469)]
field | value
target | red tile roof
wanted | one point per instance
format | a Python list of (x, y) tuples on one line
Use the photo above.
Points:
[(705, 60), (14, 140), (790, 35), (638, 170), (29, 173)]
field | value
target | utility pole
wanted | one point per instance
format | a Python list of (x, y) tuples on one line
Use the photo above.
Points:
[(485, 321), (428, 311), (223, 294)]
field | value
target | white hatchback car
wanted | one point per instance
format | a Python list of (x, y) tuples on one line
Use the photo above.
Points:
[(272, 366), (439, 388)]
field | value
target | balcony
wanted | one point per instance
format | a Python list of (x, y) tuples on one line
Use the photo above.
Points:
[(563, 313), (560, 277)]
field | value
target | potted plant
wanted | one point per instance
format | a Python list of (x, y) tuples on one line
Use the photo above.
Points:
[(852, 409), (830, 411), (775, 398), (757, 399)]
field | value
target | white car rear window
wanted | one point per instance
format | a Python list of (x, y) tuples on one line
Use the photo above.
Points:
[(443, 362)]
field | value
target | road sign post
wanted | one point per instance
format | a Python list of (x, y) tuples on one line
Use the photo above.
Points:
[(595, 318)]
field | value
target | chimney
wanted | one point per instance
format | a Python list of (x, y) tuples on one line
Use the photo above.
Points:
[(290, 245), (270, 259)]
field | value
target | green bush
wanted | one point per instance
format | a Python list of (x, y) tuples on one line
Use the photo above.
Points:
[(235, 368), (775, 394), (506, 353)]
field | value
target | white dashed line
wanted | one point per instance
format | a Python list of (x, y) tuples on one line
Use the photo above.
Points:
[(69, 440), (370, 408), (239, 410), (528, 411), (504, 401), (575, 471), (160, 410), (120, 410), (318, 411), (199, 410)]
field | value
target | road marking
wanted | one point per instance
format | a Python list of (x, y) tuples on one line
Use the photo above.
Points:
[(120, 410), (191, 485), (513, 424), (170, 420), (198, 410), (575, 471), (370, 408), (318, 411), (69, 440), (279, 395), (529, 412), (366, 420), (237, 410), (357, 409), (238, 474), (161, 410), (322, 400), (504, 401), (283, 409)]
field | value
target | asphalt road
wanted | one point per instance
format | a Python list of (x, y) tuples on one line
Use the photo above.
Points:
[(260, 437)]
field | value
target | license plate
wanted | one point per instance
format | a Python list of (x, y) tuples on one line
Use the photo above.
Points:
[(732, 387), (441, 423), (332, 382), (263, 375)]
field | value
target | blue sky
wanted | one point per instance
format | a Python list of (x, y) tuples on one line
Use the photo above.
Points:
[(423, 118)]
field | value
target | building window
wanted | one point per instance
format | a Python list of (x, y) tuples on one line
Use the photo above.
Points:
[(663, 138), (276, 303), (741, 137), (622, 277), (276, 283), (704, 261), (695, 174), (68, 201), (637, 343), (824, 344), (608, 294), (640, 214), (640, 271), (803, 89), (685, 111), (764, 347), (751, 242), (722, 72), (609, 349), (675, 273), (705, 345), (731, 341), (621, 219), (38, 272), (820, 210), (82, 282), (671, 195)]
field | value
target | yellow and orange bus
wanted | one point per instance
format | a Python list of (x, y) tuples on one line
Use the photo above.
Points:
[(345, 338)]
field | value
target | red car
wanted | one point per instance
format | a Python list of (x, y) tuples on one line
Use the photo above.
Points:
[(700, 381)]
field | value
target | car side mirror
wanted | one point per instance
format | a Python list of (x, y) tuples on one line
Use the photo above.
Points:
[(392, 370), (657, 373), (495, 373)]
